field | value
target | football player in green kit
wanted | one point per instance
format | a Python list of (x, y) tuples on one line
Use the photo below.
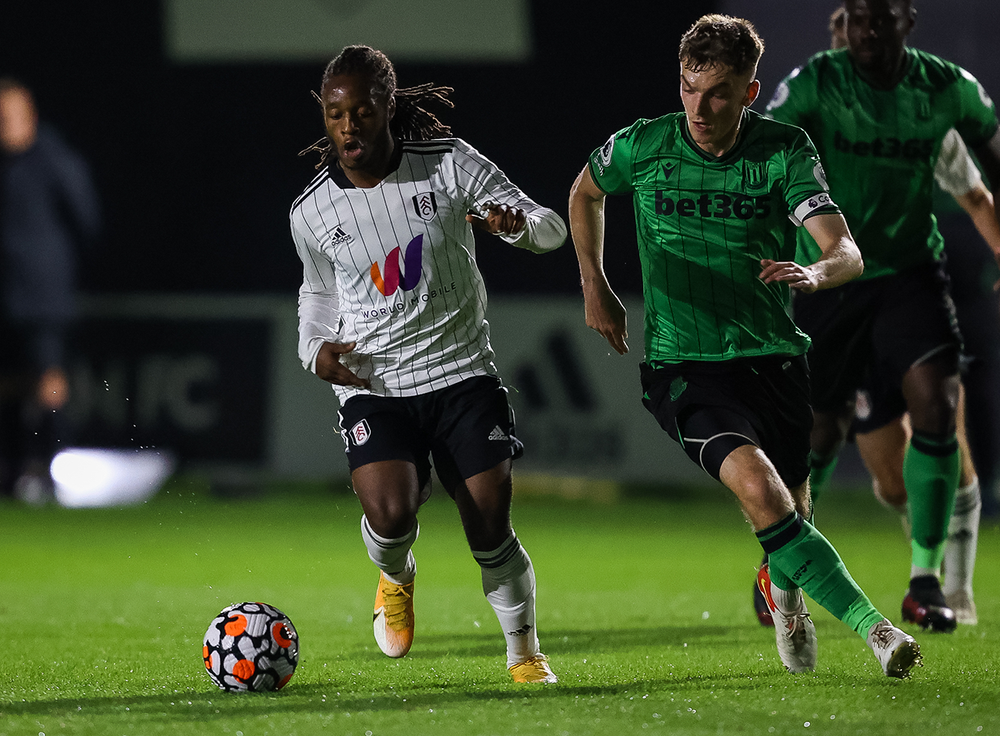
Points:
[(718, 192), (878, 112)]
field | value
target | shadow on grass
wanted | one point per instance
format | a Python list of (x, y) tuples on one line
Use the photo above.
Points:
[(324, 699), (572, 641), (367, 687), (452, 690), (592, 642)]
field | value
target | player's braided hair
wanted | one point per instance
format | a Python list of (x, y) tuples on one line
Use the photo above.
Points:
[(412, 121), (721, 39)]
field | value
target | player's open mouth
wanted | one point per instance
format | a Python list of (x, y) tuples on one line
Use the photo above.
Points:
[(352, 149)]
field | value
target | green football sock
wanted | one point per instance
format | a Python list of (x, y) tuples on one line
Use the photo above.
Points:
[(805, 557), (780, 579), (819, 477), (930, 471)]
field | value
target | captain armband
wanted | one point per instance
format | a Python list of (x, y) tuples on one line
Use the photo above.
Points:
[(811, 206)]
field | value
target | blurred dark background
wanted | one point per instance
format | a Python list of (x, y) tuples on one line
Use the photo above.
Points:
[(197, 164)]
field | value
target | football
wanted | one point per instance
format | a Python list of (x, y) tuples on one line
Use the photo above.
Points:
[(251, 647)]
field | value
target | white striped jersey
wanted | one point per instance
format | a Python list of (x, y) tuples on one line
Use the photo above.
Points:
[(393, 267)]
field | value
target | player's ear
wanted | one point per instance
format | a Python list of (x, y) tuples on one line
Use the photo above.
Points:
[(390, 108), (753, 89)]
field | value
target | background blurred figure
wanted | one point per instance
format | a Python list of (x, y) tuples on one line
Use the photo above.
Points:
[(974, 277), (48, 211), (897, 322), (966, 219), (882, 426)]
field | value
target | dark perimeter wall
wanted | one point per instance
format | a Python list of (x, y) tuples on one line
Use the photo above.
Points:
[(197, 164)]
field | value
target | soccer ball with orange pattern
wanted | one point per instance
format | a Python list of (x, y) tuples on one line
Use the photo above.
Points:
[(251, 647)]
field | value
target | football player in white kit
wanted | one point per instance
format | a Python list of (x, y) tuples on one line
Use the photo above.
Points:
[(392, 312)]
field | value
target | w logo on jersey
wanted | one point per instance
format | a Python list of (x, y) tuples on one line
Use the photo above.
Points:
[(393, 279)]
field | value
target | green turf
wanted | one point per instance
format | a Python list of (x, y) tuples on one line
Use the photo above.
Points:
[(643, 609)]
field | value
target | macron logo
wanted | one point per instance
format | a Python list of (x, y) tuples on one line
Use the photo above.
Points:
[(393, 277)]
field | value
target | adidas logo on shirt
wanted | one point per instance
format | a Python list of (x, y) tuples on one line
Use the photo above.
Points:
[(498, 434), (340, 237)]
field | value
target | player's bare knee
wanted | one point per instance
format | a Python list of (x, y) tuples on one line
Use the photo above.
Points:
[(891, 494), (391, 516), (748, 473), (485, 539), (931, 389)]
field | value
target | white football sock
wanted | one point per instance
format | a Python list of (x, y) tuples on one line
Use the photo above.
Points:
[(392, 556), (787, 601), (509, 585), (963, 536)]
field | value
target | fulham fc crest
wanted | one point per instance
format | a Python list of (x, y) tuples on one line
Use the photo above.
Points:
[(425, 205), (360, 432)]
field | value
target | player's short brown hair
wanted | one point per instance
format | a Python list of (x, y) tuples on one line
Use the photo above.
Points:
[(721, 40)]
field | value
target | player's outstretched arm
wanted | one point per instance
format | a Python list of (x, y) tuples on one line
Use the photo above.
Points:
[(979, 204), (841, 260), (989, 157), (602, 308), (330, 369)]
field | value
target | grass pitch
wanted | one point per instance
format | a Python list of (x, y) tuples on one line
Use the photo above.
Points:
[(643, 609)]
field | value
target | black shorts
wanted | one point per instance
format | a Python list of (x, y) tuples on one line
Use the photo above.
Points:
[(467, 429), (765, 399), (883, 326), (879, 401)]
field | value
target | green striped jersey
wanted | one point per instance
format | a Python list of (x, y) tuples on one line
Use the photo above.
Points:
[(703, 225), (880, 147)]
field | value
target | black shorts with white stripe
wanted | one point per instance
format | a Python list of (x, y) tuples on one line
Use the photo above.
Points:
[(713, 408), (466, 429)]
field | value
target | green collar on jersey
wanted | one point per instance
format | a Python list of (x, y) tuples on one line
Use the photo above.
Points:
[(729, 155)]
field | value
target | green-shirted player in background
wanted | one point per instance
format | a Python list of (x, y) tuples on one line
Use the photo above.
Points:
[(718, 192), (878, 112)]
